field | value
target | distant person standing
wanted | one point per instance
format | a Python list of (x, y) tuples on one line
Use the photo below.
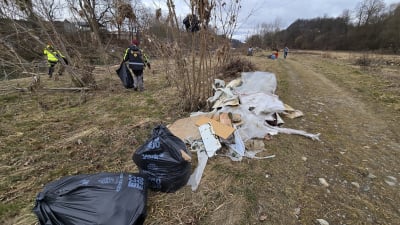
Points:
[(285, 52), (137, 61), (53, 57), (250, 51)]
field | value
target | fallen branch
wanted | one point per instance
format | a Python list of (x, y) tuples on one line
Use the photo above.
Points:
[(67, 89), (55, 89)]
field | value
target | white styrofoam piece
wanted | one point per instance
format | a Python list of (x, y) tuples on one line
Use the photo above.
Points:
[(211, 142)]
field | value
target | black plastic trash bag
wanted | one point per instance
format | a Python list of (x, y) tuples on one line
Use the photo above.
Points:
[(125, 75), (165, 160), (104, 198)]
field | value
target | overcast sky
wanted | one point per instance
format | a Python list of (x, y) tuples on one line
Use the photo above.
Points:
[(256, 12)]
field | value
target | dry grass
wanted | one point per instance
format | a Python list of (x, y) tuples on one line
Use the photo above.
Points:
[(47, 135)]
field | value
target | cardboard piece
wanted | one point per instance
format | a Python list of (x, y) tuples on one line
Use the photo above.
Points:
[(288, 108), (293, 114), (224, 119), (186, 128), (220, 129), (215, 117)]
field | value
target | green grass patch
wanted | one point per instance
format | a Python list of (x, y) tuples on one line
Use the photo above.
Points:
[(8, 210), (9, 98)]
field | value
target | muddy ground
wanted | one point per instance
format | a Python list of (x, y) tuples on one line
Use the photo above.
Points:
[(356, 109)]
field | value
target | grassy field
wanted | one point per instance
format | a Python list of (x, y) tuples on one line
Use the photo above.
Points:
[(46, 135)]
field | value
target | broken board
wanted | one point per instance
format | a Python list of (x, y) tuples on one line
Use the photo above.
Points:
[(220, 129), (211, 143)]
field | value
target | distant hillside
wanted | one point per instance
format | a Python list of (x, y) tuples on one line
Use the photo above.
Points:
[(376, 31)]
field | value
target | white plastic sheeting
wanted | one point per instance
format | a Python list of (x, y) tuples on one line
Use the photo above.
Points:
[(202, 159), (254, 82), (257, 101), (239, 146), (262, 103)]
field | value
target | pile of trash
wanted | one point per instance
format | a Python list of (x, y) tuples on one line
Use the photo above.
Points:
[(243, 110)]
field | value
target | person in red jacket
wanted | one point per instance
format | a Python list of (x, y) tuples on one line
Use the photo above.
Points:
[(276, 53)]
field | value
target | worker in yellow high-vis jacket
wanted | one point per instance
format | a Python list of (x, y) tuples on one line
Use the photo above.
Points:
[(53, 57)]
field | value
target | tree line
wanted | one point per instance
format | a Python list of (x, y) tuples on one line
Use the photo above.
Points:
[(371, 26)]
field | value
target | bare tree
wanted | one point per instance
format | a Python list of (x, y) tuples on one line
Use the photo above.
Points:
[(226, 16), (368, 11), (124, 11), (22, 8), (172, 19), (391, 34), (346, 16), (266, 35), (94, 12), (49, 9), (143, 21), (12, 9)]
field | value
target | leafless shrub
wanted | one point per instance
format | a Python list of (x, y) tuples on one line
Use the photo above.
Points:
[(124, 11), (327, 55), (193, 71), (364, 61), (87, 76), (222, 53), (234, 67)]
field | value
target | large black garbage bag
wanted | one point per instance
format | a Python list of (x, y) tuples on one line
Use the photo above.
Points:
[(104, 198), (125, 75), (165, 160)]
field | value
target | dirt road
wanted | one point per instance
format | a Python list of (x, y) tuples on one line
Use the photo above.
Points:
[(358, 155)]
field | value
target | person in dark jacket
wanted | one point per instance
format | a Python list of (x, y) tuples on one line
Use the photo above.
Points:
[(137, 61), (285, 52)]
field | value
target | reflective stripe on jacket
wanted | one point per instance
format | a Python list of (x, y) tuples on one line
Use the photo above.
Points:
[(136, 63)]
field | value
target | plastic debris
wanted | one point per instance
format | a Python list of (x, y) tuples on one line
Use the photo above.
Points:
[(211, 143)]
